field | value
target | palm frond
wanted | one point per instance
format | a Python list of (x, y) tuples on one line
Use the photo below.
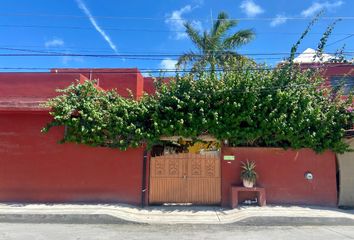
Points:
[(187, 58), (229, 59), (200, 64), (239, 38), (194, 35), (222, 25), (215, 47), (228, 55), (221, 18), (208, 46)]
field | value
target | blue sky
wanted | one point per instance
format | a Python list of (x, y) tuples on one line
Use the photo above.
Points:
[(150, 27)]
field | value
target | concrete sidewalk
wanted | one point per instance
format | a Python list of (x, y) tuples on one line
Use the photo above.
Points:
[(118, 213)]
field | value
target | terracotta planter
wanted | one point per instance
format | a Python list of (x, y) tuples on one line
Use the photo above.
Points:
[(247, 183)]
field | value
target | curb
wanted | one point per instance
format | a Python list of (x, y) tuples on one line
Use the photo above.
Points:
[(63, 219), (126, 214), (107, 219), (295, 221)]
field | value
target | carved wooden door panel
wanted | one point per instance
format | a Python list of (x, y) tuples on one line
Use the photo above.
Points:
[(167, 179), (185, 178), (203, 179)]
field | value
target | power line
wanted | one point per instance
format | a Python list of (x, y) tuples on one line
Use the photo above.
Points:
[(167, 54), (160, 51), (56, 54), (158, 70), (148, 58), (342, 39), (142, 29), (164, 18), (90, 28), (145, 57)]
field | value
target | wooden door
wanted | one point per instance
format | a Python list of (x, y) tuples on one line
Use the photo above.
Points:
[(185, 178)]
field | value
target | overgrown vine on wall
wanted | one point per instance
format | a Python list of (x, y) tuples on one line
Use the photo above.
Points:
[(248, 107), (248, 104), (100, 118)]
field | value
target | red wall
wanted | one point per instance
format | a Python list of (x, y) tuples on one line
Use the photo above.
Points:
[(331, 69), (149, 87), (25, 91), (41, 85), (281, 173), (34, 168), (120, 79)]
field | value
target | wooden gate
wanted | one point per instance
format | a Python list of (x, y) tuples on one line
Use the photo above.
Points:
[(185, 178)]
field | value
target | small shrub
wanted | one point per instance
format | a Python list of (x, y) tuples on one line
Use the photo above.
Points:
[(248, 171)]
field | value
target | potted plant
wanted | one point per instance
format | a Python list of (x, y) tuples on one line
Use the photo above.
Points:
[(248, 174)]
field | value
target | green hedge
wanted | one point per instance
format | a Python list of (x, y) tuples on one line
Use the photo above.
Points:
[(249, 106)]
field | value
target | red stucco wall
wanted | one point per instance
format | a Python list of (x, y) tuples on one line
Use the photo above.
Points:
[(34, 168), (149, 85), (281, 173), (120, 79), (34, 85)]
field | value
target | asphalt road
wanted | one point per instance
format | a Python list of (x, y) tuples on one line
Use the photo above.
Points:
[(26, 231)]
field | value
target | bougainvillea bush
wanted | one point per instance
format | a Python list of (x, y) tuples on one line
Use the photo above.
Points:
[(249, 106), (246, 103), (100, 118)]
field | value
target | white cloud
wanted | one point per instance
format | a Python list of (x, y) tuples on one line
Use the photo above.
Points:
[(55, 42), (168, 64), (87, 12), (278, 20), (250, 8), (66, 59), (317, 6), (175, 22)]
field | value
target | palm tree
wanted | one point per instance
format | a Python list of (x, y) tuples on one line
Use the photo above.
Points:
[(215, 47)]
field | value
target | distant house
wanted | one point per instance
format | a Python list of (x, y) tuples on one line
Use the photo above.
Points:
[(309, 56), (337, 74)]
